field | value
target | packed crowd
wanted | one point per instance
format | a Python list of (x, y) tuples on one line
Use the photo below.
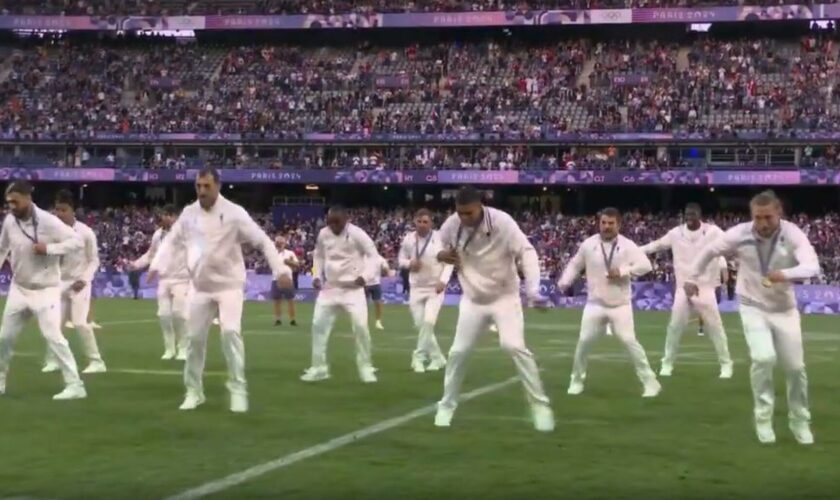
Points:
[(327, 7), (519, 157), (125, 234), (499, 88)]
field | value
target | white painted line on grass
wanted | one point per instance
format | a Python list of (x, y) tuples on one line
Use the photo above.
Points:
[(132, 371), (238, 478)]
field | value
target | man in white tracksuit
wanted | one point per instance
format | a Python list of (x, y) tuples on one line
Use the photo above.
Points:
[(212, 231), (36, 240), (342, 252), (771, 253), (172, 290), (484, 244), (428, 278), (684, 241), (610, 261), (77, 272)]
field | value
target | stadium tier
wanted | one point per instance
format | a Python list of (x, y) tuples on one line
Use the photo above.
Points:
[(414, 184)]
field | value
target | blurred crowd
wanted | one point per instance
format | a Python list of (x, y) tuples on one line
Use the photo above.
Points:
[(125, 234), (498, 88), (326, 7)]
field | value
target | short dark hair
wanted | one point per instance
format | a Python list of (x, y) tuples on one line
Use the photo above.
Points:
[(468, 195), (23, 187), (423, 212), (169, 209), (65, 197), (693, 206), (610, 212), (210, 171), (337, 209), (765, 198)]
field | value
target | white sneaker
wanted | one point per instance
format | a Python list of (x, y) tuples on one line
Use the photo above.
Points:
[(436, 364), (97, 366), (726, 370), (575, 387), (801, 431), (666, 370), (494, 328), (192, 401), (764, 431), (168, 355), (95, 325), (443, 417), (417, 366), (314, 374), (69, 325), (609, 330), (379, 325), (50, 367), (71, 392), (543, 417), (182, 356), (216, 321), (239, 403), (368, 374), (652, 389)]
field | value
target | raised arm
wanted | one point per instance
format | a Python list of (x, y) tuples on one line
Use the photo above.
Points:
[(166, 246), (67, 240), (251, 233), (725, 244), (660, 245), (146, 259), (807, 263), (638, 265)]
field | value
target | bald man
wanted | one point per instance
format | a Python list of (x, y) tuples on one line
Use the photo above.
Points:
[(278, 295)]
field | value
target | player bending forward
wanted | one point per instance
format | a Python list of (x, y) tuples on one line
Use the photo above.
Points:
[(36, 240), (484, 244), (771, 254)]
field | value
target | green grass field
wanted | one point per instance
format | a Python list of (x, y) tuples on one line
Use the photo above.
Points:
[(128, 440)]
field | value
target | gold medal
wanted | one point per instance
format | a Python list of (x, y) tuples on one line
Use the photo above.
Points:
[(766, 282)]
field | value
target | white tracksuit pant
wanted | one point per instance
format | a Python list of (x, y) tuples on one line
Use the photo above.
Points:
[(594, 323), (75, 307), (45, 305), (202, 309), (473, 321), (771, 336), (329, 302), (705, 305), (425, 304), (172, 313)]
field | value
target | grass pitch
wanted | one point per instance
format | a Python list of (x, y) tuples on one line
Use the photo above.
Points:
[(128, 440)]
